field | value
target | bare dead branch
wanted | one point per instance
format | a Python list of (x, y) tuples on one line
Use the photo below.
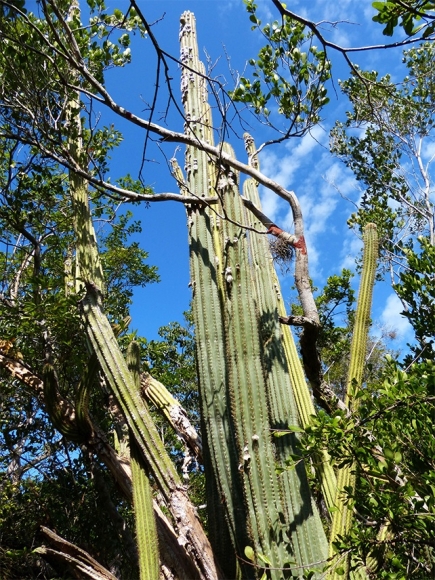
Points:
[(67, 558)]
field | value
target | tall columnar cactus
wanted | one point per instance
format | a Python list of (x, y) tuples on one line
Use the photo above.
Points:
[(343, 515), (270, 298), (148, 448), (245, 385), (103, 343)]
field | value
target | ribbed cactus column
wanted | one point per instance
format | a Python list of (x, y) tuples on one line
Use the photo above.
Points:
[(149, 450), (289, 397), (343, 516), (244, 381), (146, 532), (226, 509)]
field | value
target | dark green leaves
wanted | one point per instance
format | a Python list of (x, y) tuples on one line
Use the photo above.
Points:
[(288, 75), (417, 289), (414, 16), (391, 443)]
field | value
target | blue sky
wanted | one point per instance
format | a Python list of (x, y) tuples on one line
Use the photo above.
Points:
[(304, 165)]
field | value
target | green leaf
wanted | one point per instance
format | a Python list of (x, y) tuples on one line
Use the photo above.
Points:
[(295, 429), (264, 559), (249, 553)]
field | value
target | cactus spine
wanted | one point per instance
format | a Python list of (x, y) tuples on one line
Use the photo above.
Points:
[(343, 516), (245, 387)]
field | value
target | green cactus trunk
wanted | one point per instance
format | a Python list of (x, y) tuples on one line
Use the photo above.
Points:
[(270, 300), (105, 352), (146, 531), (245, 385), (346, 479)]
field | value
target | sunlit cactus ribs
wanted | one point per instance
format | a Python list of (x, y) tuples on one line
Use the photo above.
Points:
[(149, 455), (245, 381), (346, 478)]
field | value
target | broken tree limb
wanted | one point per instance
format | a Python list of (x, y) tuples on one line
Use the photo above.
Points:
[(69, 560), (159, 395)]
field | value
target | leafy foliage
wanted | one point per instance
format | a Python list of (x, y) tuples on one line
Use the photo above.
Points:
[(416, 289), (415, 16), (46, 479), (391, 443), (289, 74), (71, 499), (383, 141)]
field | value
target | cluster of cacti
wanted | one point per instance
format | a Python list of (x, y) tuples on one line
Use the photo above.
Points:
[(250, 374), (252, 386), (262, 520), (244, 375)]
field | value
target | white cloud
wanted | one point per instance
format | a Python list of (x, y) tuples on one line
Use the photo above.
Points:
[(320, 199), (314, 260), (311, 171), (352, 245), (341, 179), (308, 142), (280, 169), (270, 203), (393, 320), (265, 13), (428, 151)]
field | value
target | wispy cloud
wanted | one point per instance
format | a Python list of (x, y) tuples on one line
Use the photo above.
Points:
[(392, 319), (351, 248)]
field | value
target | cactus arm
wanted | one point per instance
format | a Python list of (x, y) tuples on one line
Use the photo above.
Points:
[(112, 362), (322, 462), (343, 516), (103, 342), (245, 381), (225, 502), (88, 265), (289, 399), (225, 505), (146, 532), (362, 320), (84, 391)]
